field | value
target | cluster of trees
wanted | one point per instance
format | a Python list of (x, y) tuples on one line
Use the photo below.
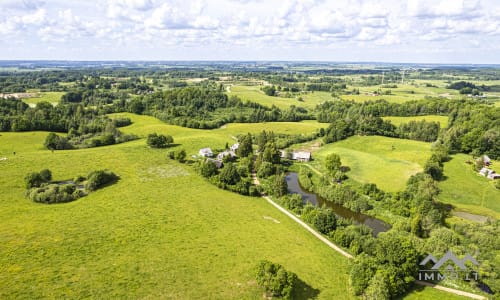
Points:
[(467, 88), (41, 189), (100, 178), (85, 127), (179, 155), (276, 281), (419, 130), (473, 126), (155, 140), (205, 108)]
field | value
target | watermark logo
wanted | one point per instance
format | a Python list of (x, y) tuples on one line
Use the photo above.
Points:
[(449, 267)]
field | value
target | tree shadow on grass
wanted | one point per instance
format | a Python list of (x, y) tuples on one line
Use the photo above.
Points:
[(304, 291)]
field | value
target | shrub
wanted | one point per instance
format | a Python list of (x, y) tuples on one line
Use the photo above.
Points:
[(54, 193), (46, 175), (97, 179), (36, 179), (275, 279), (159, 140)]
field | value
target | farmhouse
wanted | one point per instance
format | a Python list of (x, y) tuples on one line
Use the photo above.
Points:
[(486, 160), (235, 147), (217, 163), (206, 152), (488, 173), (301, 156), (221, 155)]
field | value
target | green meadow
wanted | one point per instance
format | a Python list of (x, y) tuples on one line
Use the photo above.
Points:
[(51, 97), (465, 189), (161, 232), (372, 159), (254, 94), (442, 120)]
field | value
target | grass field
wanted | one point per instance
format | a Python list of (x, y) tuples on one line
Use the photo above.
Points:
[(52, 97), (372, 160), (161, 232), (254, 94), (443, 120), (467, 190)]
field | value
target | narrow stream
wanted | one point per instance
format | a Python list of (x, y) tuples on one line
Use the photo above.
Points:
[(375, 224)]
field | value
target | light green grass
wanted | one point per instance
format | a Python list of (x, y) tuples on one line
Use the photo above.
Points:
[(161, 232), (428, 293), (372, 160), (467, 190), (254, 94), (443, 120), (51, 97)]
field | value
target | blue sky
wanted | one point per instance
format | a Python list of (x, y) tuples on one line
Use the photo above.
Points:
[(433, 31)]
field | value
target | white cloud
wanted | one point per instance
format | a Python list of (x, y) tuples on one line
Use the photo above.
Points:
[(232, 25)]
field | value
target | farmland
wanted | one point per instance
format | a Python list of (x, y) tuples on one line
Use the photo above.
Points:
[(177, 225), (372, 159), (467, 190), (161, 231)]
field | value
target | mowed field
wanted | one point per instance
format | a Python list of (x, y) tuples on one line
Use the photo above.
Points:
[(162, 231), (465, 189), (51, 97), (442, 120), (371, 159), (254, 94)]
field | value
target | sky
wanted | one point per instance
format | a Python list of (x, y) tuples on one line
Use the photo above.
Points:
[(414, 31)]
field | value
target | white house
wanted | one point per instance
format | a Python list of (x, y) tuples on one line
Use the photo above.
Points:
[(488, 173), (301, 156), (206, 152), (217, 163), (221, 155), (235, 146)]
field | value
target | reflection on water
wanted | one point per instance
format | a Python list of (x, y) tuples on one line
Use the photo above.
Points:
[(375, 224)]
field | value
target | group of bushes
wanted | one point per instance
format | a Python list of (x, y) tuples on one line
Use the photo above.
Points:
[(159, 140), (41, 189)]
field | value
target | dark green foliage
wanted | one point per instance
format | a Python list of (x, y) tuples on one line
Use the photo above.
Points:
[(434, 167), (325, 221), (361, 272), (293, 202), (56, 142), (245, 148), (72, 97), (278, 186), (419, 130), (275, 279), (54, 193), (269, 90), (181, 155), (159, 140), (46, 175), (266, 169), (100, 178), (33, 180), (208, 169), (332, 163), (229, 174)]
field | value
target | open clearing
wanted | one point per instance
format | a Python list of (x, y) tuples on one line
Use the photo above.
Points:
[(372, 160), (51, 97), (161, 232), (467, 190), (396, 121)]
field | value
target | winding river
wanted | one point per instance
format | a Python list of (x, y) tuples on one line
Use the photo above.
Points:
[(375, 224)]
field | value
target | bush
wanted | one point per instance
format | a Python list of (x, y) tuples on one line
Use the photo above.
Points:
[(36, 179), (46, 175), (159, 140), (54, 193), (55, 142), (97, 179), (275, 279), (325, 221)]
